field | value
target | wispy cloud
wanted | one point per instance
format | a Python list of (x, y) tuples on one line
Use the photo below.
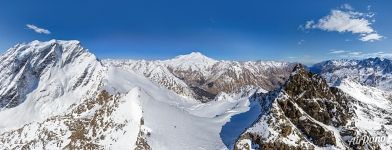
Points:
[(346, 19), (360, 54), (292, 57), (334, 51), (300, 42), (37, 29), (355, 54)]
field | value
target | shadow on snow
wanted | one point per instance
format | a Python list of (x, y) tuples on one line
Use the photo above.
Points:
[(239, 123)]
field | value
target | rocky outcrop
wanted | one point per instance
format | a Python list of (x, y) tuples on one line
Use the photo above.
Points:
[(304, 113)]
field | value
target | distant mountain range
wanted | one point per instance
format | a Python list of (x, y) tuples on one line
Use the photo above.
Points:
[(57, 95), (375, 72), (202, 78)]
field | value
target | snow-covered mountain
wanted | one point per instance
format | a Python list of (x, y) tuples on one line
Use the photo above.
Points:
[(375, 72), (57, 95), (48, 69), (203, 78), (194, 61), (369, 82)]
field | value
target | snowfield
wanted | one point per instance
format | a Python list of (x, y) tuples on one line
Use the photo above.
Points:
[(175, 122)]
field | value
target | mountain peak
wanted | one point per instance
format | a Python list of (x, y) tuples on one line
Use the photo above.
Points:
[(195, 56), (24, 65), (193, 61)]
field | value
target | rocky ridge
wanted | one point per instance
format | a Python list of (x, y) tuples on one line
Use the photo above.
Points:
[(304, 114)]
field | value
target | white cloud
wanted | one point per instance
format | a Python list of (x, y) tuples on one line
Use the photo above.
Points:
[(37, 29), (337, 51), (371, 37), (346, 19), (347, 6), (309, 24)]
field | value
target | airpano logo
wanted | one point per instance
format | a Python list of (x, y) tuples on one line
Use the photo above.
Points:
[(369, 140)]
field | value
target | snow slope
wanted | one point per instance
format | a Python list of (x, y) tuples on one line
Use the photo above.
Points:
[(172, 121), (372, 110)]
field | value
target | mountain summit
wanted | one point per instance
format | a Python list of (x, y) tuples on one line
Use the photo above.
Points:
[(194, 61)]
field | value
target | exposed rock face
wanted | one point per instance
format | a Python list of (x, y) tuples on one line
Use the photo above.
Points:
[(305, 113), (202, 78), (312, 94)]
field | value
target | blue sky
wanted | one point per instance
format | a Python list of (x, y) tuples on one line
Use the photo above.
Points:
[(307, 31)]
